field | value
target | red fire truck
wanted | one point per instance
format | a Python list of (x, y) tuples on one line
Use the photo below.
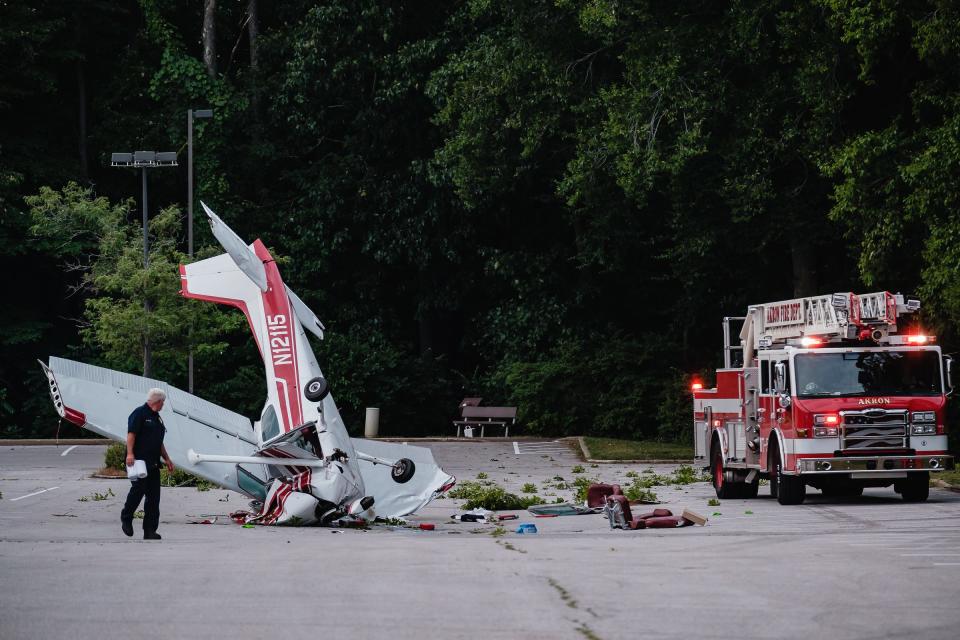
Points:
[(825, 392)]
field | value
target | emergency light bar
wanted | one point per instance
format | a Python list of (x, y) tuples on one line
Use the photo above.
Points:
[(911, 340)]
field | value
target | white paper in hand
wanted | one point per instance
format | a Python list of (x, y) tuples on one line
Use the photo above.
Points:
[(138, 470)]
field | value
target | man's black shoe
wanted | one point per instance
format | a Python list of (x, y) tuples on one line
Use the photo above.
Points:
[(151, 536), (127, 527)]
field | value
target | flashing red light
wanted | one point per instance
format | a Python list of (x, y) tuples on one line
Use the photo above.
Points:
[(696, 386), (810, 342), (917, 339), (831, 420)]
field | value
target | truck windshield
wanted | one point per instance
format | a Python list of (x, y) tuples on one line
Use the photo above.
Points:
[(868, 373)]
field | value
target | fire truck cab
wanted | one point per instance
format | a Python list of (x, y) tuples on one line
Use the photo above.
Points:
[(824, 392)]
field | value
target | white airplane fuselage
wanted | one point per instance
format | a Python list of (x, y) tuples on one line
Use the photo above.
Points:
[(289, 362)]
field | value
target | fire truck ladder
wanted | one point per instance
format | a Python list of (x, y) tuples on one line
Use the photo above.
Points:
[(828, 317)]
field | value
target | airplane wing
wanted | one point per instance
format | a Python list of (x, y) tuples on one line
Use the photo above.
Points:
[(101, 399), (395, 500)]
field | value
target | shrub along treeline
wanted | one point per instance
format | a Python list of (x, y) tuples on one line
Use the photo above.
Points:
[(546, 203)]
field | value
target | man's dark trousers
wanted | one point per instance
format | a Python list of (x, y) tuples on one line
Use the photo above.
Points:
[(149, 487)]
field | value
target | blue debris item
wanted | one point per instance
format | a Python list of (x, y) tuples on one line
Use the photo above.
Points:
[(527, 527)]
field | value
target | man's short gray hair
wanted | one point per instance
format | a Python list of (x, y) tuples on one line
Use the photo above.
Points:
[(156, 394)]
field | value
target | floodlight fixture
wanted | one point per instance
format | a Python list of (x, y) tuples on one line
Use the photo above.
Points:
[(121, 159)]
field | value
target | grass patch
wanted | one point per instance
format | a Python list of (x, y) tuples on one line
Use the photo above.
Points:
[(180, 478), (529, 488), (509, 547), (482, 476), (950, 477), (110, 472), (614, 449), (713, 502), (97, 497), (685, 474), (580, 486), (563, 593), (636, 491), (489, 495), (577, 469)]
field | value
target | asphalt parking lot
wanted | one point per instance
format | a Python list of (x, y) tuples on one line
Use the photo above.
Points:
[(872, 567)]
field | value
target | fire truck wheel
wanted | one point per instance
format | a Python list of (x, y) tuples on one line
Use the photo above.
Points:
[(790, 489), (916, 488), (723, 487)]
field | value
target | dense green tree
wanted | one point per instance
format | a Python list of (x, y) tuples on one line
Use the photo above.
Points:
[(551, 203)]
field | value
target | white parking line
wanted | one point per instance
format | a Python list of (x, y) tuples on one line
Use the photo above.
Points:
[(924, 555), (69, 450), (516, 448), (35, 493)]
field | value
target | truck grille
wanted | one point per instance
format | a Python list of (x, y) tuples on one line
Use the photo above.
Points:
[(874, 429)]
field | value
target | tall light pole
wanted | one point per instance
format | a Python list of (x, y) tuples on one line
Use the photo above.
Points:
[(191, 114), (144, 160)]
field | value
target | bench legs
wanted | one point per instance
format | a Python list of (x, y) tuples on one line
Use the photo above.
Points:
[(483, 428)]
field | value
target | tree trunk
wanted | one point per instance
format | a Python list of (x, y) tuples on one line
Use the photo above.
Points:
[(253, 30), (82, 116), (804, 259), (210, 37)]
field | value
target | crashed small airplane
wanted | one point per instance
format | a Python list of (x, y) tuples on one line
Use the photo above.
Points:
[(297, 462)]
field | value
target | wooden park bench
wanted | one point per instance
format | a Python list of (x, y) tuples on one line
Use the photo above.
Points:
[(473, 415)]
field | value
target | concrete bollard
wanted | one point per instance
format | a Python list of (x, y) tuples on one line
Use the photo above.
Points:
[(372, 425)]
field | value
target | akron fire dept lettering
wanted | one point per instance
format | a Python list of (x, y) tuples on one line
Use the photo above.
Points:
[(279, 336), (787, 312), (874, 401)]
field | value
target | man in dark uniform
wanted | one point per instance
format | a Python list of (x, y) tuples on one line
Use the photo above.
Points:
[(145, 433)]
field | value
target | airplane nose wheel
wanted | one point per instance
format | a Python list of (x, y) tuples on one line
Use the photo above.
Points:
[(403, 470), (316, 390)]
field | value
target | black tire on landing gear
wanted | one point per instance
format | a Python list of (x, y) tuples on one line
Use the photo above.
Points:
[(789, 489), (724, 488), (316, 390), (916, 487), (326, 512), (403, 470)]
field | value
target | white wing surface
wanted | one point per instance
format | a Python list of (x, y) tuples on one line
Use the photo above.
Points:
[(103, 399), (395, 500)]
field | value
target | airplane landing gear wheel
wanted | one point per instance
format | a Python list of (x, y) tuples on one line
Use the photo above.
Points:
[(316, 390), (403, 470)]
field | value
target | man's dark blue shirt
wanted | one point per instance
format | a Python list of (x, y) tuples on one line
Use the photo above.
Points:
[(146, 424)]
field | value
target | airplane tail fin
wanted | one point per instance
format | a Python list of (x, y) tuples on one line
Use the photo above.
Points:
[(239, 278)]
